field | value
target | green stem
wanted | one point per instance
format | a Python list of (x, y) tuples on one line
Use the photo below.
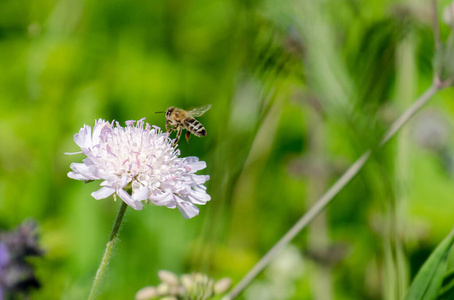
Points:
[(329, 195), (108, 253)]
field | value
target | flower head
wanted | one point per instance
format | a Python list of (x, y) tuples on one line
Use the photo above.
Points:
[(138, 163)]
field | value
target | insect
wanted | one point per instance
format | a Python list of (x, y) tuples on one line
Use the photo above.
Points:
[(179, 119)]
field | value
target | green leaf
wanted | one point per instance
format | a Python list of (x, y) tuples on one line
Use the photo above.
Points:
[(447, 290), (429, 279)]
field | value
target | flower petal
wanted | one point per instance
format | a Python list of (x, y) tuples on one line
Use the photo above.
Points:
[(197, 165), (191, 159), (199, 179), (83, 138), (164, 199), (81, 172), (103, 192), (137, 205), (139, 194), (187, 209), (199, 199), (100, 126)]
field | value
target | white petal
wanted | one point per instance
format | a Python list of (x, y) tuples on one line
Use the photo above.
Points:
[(103, 192), (201, 194), (140, 193), (137, 205), (83, 138), (165, 199), (102, 174), (197, 166), (199, 200), (191, 159), (97, 130), (199, 179), (89, 160), (84, 171), (200, 188), (77, 176), (187, 209)]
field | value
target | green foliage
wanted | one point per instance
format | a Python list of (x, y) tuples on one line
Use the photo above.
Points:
[(427, 283), (447, 290), (299, 90)]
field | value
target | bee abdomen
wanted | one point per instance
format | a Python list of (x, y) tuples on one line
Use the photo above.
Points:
[(195, 127)]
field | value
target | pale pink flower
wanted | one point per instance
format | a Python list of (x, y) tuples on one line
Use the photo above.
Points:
[(138, 163)]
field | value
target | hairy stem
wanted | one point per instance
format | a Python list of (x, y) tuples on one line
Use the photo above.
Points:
[(108, 253), (331, 193)]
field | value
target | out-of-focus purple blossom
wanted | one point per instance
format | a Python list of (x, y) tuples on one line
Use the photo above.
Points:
[(23, 241), (4, 256), (4, 261), (17, 276)]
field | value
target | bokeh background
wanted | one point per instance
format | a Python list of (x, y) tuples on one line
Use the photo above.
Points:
[(299, 89)]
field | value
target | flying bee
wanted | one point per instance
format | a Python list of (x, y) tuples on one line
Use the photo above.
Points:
[(179, 119)]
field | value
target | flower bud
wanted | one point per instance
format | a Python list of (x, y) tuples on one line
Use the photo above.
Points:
[(187, 282), (147, 293), (222, 285), (168, 277), (163, 289)]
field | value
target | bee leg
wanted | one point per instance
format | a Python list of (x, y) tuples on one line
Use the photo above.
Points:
[(187, 136), (179, 130), (167, 127)]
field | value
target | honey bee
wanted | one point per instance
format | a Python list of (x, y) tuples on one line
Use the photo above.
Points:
[(179, 119)]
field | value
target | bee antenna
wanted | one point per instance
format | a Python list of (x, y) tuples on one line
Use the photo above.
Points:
[(159, 112)]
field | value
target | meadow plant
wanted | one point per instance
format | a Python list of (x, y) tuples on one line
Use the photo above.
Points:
[(188, 286), (443, 77), (137, 163)]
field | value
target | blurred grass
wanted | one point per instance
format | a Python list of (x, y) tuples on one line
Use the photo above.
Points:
[(267, 67)]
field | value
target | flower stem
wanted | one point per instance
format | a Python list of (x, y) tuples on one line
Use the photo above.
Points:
[(108, 253), (331, 193)]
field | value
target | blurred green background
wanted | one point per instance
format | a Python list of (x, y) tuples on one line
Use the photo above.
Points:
[(299, 90)]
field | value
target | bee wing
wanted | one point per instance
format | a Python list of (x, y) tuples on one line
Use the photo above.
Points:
[(198, 111)]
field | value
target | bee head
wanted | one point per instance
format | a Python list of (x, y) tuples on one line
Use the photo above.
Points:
[(169, 111)]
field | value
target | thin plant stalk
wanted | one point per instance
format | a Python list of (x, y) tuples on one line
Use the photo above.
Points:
[(108, 253), (436, 25), (324, 200)]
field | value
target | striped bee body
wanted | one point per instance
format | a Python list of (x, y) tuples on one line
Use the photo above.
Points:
[(179, 119), (195, 127)]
